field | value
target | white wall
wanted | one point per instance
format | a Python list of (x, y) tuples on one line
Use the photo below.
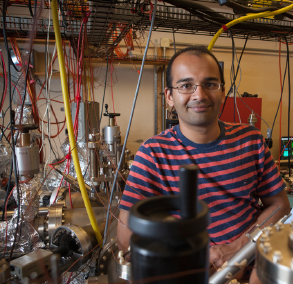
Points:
[(260, 75)]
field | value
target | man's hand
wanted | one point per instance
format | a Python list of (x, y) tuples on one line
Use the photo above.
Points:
[(219, 254)]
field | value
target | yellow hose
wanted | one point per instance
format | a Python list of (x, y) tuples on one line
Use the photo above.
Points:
[(246, 18), (69, 122)]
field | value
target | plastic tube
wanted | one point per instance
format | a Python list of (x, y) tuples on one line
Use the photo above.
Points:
[(246, 18), (69, 122)]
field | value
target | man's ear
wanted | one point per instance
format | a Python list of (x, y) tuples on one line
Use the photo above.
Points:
[(169, 97)]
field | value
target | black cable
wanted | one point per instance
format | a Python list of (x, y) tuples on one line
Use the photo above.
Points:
[(238, 66), (2, 96), (289, 98), (30, 7), (286, 68), (3, 134), (246, 10), (5, 4), (7, 190), (28, 61), (104, 87)]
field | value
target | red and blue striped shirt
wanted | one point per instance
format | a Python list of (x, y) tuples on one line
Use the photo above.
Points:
[(235, 171)]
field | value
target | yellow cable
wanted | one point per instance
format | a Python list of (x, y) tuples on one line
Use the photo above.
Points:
[(69, 122), (246, 18)]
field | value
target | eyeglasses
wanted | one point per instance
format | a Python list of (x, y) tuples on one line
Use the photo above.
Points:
[(189, 88)]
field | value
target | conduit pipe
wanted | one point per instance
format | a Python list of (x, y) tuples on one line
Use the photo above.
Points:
[(246, 18), (72, 142)]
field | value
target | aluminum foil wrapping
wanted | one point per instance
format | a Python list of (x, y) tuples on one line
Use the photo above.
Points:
[(5, 156), (27, 115), (54, 179), (27, 118), (29, 198), (27, 238)]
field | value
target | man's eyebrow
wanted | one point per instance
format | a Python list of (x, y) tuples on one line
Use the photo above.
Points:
[(211, 79), (185, 80), (190, 79)]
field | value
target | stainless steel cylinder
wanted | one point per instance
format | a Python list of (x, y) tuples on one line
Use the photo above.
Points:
[(110, 132), (27, 159), (274, 258)]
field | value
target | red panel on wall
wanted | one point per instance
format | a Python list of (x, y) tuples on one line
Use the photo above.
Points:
[(244, 111)]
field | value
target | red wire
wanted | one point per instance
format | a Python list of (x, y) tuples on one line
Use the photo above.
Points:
[(285, 147), (13, 86), (6, 81), (69, 278), (58, 189)]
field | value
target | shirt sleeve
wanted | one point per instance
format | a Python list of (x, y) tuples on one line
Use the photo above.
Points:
[(271, 181), (143, 181)]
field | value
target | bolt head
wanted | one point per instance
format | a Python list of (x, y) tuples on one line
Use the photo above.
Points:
[(279, 226), (267, 247), (264, 238), (277, 256), (268, 231)]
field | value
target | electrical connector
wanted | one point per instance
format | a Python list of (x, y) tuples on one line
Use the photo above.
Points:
[(269, 140)]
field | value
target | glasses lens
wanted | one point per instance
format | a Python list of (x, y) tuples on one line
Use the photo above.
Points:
[(211, 86), (186, 89)]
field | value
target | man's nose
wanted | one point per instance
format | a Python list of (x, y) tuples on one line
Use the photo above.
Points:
[(199, 94)]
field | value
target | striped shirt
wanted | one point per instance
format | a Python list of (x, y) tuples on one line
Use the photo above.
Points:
[(234, 171)]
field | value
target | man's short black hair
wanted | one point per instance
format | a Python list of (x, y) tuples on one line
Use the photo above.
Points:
[(196, 50)]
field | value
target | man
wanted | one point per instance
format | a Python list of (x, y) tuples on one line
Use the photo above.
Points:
[(236, 168)]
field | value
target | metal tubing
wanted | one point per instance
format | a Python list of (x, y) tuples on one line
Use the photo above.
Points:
[(130, 119), (239, 261)]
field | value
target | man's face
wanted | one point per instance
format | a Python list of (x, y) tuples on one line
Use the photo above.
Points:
[(201, 108)]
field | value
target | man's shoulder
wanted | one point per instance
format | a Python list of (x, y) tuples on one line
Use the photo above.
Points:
[(233, 128), (166, 137)]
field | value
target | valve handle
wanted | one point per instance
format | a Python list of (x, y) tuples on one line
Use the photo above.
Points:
[(188, 190), (111, 114)]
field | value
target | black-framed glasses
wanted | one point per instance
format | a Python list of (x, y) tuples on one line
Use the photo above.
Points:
[(189, 88)]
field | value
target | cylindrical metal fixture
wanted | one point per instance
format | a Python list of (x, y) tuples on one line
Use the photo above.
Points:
[(25, 139), (274, 257), (27, 160), (167, 249)]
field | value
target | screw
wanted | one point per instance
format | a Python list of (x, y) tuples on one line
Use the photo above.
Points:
[(266, 247), (277, 257), (268, 231), (279, 226), (101, 266), (104, 257), (120, 254), (264, 238)]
